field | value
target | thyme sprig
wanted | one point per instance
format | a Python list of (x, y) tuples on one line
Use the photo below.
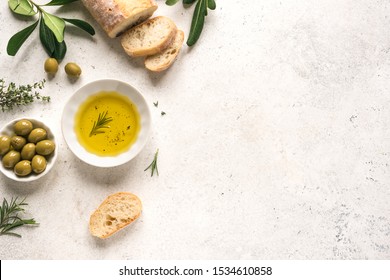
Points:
[(101, 123), (12, 95), (9, 217), (153, 165)]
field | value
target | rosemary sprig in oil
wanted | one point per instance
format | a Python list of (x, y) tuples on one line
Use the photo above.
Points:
[(153, 165), (101, 123), (9, 217)]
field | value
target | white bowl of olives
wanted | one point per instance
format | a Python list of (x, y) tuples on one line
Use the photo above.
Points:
[(27, 149)]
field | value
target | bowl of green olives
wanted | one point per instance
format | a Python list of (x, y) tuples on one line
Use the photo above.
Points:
[(27, 149)]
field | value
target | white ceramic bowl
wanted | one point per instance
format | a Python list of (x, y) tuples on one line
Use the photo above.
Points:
[(8, 130), (71, 108)]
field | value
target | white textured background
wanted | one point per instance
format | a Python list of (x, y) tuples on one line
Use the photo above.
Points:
[(275, 143)]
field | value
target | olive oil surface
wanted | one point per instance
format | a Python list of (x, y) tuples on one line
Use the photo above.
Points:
[(117, 135)]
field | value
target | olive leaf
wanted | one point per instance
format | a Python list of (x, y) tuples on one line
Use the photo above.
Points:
[(52, 46), (19, 38), (198, 18), (211, 4), (171, 2), (47, 38), (197, 22), (56, 24), (81, 24), (51, 28), (22, 7), (59, 2), (59, 50)]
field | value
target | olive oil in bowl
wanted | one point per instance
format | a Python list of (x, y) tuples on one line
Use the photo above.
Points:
[(107, 123)]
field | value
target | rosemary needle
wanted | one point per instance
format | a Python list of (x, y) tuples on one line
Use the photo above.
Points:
[(101, 123), (153, 165), (9, 218)]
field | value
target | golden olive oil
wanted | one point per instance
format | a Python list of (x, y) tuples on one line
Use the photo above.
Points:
[(117, 134)]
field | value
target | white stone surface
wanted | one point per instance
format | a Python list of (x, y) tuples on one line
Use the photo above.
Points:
[(275, 143)]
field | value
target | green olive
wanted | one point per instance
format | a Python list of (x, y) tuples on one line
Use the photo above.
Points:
[(23, 168), (38, 164), (10, 159), (18, 142), (5, 144), (51, 66), (36, 135), (28, 151), (72, 69), (45, 147), (23, 127)]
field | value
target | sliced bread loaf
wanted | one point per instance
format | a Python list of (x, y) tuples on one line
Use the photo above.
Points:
[(116, 212), (149, 37), (161, 61), (116, 16)]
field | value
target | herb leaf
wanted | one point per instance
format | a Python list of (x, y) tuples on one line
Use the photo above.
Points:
[(211, 4), (47, 38), (153, 165), (56, 24), (19, 38), (82, 25), (51, 29), (101, 123), (198, 18), (59, 2), (12, 95), (197, 22), (59, 50), (49, 42), (171, 2), (22, 7), (9, 217)]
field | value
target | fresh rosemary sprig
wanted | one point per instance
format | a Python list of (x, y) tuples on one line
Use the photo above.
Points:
[(198, 17), (9, 219), (153, 165), (51, 27), (101, 123), (12, 95)]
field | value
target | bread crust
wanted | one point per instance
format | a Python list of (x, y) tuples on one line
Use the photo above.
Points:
[(175, 46), (107, 213), (116, 16), (158, 47)]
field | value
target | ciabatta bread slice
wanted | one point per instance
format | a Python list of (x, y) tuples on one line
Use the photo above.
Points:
[(161, 61), (117, 211), (116, 16), (149, 37)]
